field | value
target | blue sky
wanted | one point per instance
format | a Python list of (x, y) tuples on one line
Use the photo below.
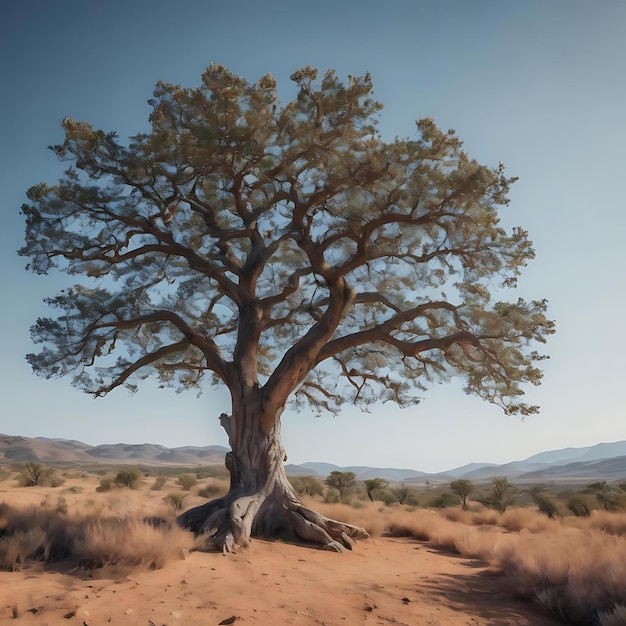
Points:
[(539, 86)]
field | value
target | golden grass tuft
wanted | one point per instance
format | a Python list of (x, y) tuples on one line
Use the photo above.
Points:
[(129, 542), (94, 540)]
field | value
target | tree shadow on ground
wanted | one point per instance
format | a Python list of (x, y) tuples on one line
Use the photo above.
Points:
[(486, 594)]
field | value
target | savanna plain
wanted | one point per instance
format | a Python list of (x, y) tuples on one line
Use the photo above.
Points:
[(100, 545)]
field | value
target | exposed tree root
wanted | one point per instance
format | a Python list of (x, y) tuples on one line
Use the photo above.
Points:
[(230, 522)]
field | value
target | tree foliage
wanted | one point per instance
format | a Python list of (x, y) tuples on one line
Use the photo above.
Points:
[(287, 246), (33, 474), (503, 493), (343, 482), (462, 488), (374, 484)]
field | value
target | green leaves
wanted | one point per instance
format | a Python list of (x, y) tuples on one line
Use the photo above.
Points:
[(285, 246)]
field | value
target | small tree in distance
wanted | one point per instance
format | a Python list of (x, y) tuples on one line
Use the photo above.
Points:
[(34, 474), (373, 484), (502, 493), (288, 253), (462, 488), (343, 482)]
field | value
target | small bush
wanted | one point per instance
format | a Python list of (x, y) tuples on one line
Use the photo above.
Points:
[(175, 499), (159, 483), (211, 490), (306, 485), (386, 496), (61, 505), (330, 494), (106, 484), (581, 504), (33, 474), (128, 478), (187, 481), (442, 500)]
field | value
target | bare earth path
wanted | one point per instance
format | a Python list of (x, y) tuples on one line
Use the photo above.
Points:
[(383, 581)]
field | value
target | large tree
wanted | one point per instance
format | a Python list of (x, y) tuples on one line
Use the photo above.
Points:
[(291, 254)]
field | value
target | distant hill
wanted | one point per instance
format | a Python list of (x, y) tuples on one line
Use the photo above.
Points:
[(364, 472), (591, 463), (601, 461), (16, 449)]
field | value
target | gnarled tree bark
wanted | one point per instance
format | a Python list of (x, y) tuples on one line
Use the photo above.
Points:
[(261, 501)]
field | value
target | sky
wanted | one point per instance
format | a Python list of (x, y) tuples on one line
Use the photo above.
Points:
[(539, 86)]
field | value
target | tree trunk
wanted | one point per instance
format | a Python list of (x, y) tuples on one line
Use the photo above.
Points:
[(261, 501)]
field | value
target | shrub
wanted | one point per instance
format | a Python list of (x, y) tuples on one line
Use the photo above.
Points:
[(175, 499), (128, 478), (374, 486), (545, 503), (211, 490), (442, 500), (343, 482), (502, 494), (106, 484), (386, 496), (311, 486), (129, 542), (159, 482), (406, 495), (462, 489), (33, 474), (581, 504), (187, 481), (330, 494)]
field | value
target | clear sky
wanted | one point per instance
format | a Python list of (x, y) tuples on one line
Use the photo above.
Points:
[(539, 86)]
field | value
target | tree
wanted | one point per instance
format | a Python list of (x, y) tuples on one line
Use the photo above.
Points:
[(290, 254), (343, 482), (128, 477), (374, 484), (308, 485), (34, 474), (544, 501), (608, 495), (502, 493), (462, 488)]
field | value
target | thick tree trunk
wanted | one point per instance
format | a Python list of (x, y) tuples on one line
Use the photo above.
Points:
[(261, 501)]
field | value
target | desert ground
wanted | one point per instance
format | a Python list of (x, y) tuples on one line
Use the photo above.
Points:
[(383, 581), (420, 566)]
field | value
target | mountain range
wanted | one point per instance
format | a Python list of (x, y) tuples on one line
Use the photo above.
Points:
[(603, 461)]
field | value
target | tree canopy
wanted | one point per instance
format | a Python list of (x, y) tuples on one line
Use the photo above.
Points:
[(284, 246)]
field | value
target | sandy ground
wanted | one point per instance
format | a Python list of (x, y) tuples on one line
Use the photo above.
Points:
[(383, 581)]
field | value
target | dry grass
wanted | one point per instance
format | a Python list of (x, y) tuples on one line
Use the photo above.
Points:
[(574, 568), (95, 540)]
